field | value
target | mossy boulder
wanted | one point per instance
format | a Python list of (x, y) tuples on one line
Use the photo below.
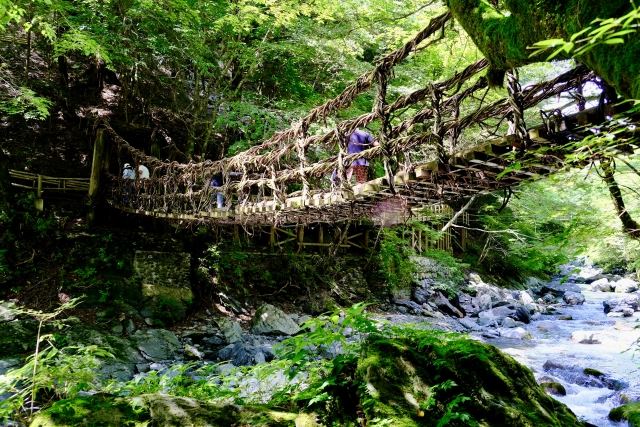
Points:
[(554, 388), (629, 412), (162, 410), (430, 377)]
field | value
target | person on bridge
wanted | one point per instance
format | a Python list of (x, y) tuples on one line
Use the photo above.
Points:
[(359, 141), (143, 172), (216, 182), (127, 172)]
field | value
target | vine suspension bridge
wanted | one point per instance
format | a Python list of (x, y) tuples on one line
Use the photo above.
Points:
[(426, 144)]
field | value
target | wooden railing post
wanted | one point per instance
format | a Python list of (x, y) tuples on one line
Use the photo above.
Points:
[(96, 171), (39, 202)]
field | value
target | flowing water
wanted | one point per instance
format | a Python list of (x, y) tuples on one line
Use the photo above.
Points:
[(616, 355)]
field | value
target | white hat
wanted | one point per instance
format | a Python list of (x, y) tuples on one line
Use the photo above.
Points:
[(127, 166)]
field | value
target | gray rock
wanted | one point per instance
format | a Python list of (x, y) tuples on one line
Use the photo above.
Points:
[(117, 329), (626, 285), (524, 297), (488, 318), (504, 311), (157, 344), (248, 351), (585, 337), (601, 285), (129, 327), (466, 302), (6, 364), (231, 330), (558, 289), (445, 306), (508, 322), (411, 307), (548, 298), (515, 333), (192, 352), (7, 311), (573, 298), (585, 377), (631, 301), (270, 320), (470, 324), (522, 314)]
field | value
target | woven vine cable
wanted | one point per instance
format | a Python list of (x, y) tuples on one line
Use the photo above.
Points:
[(380, 110), (302, 160), (516, 107), (437, 128)]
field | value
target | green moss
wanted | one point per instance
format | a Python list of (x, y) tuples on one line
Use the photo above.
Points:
[(428, 378), (162, 410), (629, 412), (593, 372), (91, 411), (554, 388)]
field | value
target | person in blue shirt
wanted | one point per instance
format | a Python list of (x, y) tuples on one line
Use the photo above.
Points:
[(359, 141)]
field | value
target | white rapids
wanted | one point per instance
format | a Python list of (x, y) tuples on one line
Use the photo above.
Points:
[(614, 351)]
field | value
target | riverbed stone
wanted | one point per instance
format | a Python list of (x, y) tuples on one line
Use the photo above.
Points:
[(585, 337), (573, 298), (601, 285), (250, 350), (231, 330), (470, 324), (517, 333), (625, 285), (157, 344), (554, 388), (270, 320), (508, 322), (631, 301), (445, 306)]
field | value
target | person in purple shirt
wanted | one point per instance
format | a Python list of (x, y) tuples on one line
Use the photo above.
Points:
[(359, 141)]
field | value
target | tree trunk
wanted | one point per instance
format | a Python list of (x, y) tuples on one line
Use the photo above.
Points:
[(629, 226), (504, 34)]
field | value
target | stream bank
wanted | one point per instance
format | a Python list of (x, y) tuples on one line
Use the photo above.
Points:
[(243, 357)]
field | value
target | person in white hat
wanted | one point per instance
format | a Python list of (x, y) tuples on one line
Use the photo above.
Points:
[(127, 172)]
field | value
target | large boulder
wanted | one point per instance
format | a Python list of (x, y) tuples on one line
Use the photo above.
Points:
[(163, 410), (601, 285), (399, 377), (270, 320), (586, 377), (626, 285), (629, 412)]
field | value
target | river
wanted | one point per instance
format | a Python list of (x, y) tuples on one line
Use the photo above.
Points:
[(613, 353)]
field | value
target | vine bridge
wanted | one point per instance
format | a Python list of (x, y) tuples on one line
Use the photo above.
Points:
[(428, 147)]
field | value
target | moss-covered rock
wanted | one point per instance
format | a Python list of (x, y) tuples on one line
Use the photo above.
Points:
[(429, 377), (629, 412), (554, 388), (162, 410)]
